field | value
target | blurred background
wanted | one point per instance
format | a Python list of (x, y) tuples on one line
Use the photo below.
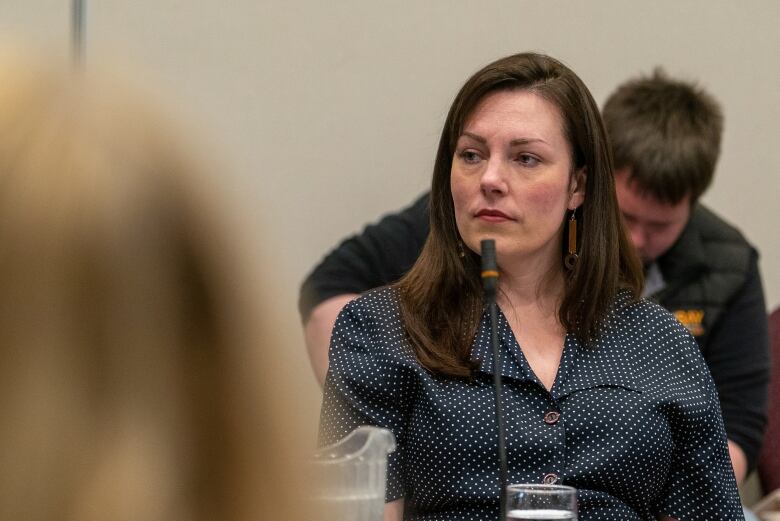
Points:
[(326, 115)]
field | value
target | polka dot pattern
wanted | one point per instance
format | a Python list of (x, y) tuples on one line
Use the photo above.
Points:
[(632, 422)]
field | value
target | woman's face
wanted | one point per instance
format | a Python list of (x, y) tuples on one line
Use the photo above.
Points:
[(512, 181)]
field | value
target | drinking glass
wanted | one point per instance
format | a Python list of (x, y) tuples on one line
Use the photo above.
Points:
[(535, 502)]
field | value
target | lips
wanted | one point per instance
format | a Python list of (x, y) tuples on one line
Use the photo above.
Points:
[(491, 215)]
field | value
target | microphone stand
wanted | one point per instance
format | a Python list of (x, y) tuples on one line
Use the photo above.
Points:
[(489, 285)]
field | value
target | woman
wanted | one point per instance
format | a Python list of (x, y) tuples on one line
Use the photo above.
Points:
[(602, 391), (136, 382)]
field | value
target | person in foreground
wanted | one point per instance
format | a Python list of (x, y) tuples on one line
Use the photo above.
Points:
[(665, 135), (602, 391), (137, 383)]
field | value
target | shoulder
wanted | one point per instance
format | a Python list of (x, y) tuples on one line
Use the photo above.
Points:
[(646, 332), (422, 205), (369, 349), (412, 217), (377, 305), (371, 322), (643, 318), (716, 233), (711, 262), (710, 224), (662, 354)]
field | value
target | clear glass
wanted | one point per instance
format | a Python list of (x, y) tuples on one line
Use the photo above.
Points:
[(535, 502), (349, 477)]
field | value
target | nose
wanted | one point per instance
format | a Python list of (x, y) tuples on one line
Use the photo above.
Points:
[(492, 181)]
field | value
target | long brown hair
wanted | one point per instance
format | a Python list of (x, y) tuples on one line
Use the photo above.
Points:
[(441, 296)]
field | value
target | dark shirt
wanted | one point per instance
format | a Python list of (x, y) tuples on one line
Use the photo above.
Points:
[(733, 340), (637, 428), (381, 254)]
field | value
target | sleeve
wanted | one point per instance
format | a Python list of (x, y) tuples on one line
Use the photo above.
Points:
[(737, 354), (701, 484), (381, 254), (365, 385)]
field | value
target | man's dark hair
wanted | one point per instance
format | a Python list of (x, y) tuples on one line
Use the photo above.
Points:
[(667, 133)]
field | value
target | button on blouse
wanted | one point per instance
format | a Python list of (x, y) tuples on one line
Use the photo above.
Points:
[(632, 422)]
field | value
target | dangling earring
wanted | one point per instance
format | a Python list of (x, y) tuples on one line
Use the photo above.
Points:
[(571, 259), (461, 250)]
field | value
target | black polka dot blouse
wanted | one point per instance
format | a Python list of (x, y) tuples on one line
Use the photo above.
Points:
[(633, 422)]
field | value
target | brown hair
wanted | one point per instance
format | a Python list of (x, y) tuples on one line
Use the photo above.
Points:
[(667, 133), (130, 386), (441, 296)]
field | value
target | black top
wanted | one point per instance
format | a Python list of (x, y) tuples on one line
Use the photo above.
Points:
[(633, 422), (378, 256), (713, 287)]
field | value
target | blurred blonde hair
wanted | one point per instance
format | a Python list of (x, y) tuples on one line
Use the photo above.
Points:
[(137, 380)]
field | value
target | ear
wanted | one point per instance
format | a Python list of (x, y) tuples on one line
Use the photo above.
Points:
[(577, 188)]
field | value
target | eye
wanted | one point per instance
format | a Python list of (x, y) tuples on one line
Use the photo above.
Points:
[(528, 160), (659, 227), (469, 157)]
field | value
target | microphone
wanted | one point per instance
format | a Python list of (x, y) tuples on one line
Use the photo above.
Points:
[(489, 276)]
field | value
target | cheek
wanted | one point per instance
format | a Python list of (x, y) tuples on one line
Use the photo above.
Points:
[(460, 191), (547, 197), (667, 239), (658, 243)]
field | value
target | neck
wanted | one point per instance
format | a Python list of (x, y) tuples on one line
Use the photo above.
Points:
[(535, 284)]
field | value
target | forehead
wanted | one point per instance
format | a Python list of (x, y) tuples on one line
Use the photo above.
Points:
[(641, 205), (517, 111)]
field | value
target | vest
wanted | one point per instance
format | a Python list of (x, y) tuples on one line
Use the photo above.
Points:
[(703, 271)]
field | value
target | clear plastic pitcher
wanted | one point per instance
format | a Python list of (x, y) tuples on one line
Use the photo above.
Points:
[(350, 476)]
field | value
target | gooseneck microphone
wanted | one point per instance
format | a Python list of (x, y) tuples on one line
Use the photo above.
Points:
[(489, 286)]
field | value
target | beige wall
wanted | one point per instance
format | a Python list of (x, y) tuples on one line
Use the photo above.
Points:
[(328, 113)]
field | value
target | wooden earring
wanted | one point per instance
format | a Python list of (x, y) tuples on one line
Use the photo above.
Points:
[(571, 259)]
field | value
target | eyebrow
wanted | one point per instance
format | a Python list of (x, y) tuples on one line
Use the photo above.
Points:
[(514, 142), (651, 222)]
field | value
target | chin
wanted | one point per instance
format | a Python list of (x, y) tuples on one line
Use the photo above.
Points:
[(475, 244)]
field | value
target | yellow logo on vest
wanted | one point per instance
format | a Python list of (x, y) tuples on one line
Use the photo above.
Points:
[(691, 319)]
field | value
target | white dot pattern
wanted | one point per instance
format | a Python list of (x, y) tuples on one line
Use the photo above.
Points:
[(638, 431)]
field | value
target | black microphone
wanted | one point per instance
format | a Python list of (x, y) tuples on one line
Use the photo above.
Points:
[(489, 285)]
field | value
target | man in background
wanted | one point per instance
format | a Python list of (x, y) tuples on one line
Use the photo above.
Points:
[(666, 138)]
